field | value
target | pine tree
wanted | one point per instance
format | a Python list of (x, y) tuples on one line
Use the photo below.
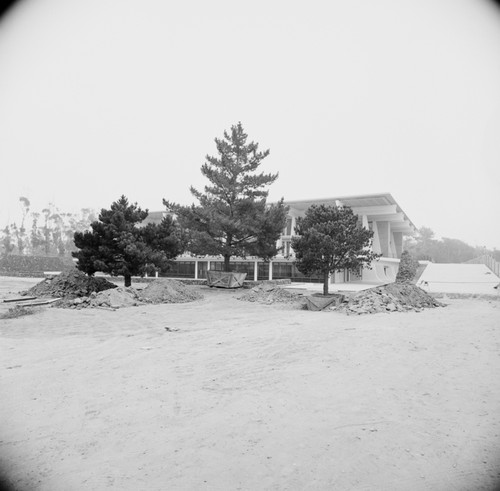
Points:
[(232, 217), (118, 246), (329, 239)]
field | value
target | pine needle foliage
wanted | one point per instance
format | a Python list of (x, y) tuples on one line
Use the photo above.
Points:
[(117, 245), (330, 239), (232, 217)]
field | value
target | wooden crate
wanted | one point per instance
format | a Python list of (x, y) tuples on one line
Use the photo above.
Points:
[(318, 301), (223, 279)]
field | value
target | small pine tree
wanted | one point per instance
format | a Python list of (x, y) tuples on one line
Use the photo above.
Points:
[(329, 239), (232, 218), (116, 245), (407, 268)]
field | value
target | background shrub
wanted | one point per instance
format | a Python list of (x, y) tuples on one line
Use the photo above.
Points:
[(407, 268)]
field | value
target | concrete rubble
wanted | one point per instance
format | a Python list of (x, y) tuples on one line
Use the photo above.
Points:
[(395, 297), (270, 294)]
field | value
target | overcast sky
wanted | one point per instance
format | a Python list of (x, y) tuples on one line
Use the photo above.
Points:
[(100, 98)]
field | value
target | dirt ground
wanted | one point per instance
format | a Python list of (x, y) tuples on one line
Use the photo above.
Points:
[(221, 394)]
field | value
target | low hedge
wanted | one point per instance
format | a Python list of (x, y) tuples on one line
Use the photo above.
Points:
[(34, 266)]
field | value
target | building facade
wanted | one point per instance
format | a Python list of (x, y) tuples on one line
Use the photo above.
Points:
[(377, 212)]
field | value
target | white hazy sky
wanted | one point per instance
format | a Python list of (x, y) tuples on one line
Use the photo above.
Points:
[(100, 98)]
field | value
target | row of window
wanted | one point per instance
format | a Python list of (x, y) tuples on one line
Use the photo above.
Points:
[(281, 270)]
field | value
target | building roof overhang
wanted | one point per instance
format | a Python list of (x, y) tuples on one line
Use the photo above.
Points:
[(376, 207)]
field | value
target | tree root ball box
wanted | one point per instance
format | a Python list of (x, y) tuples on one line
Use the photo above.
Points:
[(318, 301), (225, 279)]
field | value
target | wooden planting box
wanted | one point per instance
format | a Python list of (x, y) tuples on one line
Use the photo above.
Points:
[(225, 279), (319, 301)]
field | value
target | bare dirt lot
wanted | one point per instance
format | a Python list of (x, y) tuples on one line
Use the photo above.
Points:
[(221, 394)]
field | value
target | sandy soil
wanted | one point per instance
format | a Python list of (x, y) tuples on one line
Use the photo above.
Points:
[(226, 395)]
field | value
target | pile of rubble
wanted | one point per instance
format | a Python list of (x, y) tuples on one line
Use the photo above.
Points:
[(68, 285), (395, 297), (77, 290), (269, 294), (168, 291), (113, 299), (158, 291)]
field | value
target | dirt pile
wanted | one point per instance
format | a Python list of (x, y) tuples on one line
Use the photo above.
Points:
[(69, 284), (113, 298), (159, 291), (270, 294), (395, 297), (168, 291)]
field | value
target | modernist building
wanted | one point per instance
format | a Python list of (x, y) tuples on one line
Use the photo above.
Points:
[(378, 212)]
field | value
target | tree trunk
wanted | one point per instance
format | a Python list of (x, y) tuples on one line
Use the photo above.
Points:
[(227, 266), (128, 280), (326, 277)]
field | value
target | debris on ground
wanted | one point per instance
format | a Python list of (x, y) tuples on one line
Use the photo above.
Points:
[(168, 291), (17, 311), (158, 291), (395, 297), (270, 294), (69, 285), (113, 299), (77, 290)]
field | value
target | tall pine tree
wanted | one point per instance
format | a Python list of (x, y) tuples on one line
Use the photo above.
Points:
[(232, 217)]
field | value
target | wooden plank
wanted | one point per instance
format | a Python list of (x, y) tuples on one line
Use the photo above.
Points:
[(41, 302), (21, 299)]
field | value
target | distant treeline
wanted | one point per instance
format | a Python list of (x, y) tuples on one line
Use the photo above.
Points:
[(46, 232), (425, 247)]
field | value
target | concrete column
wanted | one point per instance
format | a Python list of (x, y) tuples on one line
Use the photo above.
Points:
[(364, 221), (156, 274), (255, 270), (384, 238), (392, 245), (398, 243), (376, 240), (196, 269), (208, 265), (270, 270)]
